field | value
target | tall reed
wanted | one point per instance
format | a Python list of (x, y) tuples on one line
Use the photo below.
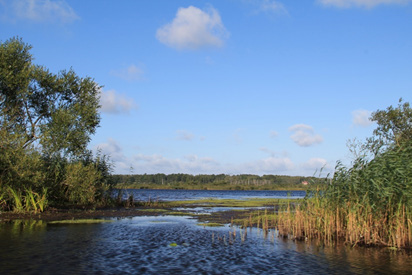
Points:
[(369, 203), (29, 201)]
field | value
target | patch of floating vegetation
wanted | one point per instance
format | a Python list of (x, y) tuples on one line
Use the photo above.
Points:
[(81, 221), (211, 224), (178, 213)]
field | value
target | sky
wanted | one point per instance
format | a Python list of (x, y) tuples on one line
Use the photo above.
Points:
[(226, 86)]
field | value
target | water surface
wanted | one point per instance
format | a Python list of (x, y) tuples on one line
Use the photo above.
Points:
[(172, 195), (178, 245)]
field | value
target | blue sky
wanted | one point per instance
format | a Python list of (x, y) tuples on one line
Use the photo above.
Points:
[(227, 86)]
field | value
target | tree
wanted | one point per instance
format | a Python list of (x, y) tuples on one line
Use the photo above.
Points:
[(59, 112), (394, 124), (46, 121)]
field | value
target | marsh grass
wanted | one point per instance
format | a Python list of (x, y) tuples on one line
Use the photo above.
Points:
[(368, 204), (210, 224)]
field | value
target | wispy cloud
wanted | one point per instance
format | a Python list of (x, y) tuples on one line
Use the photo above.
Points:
[(195, 164), (113, 149), (193, 28), (131, 73), (191, 164), (39, 11), (113, 103), (266, 6), (315, 163), (361, 3), (270, 165), (184, 135), (304, 135), (271, 6), (274, 134), (361, 118)]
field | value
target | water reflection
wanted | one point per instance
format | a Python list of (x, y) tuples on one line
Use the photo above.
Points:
[(142, 245)]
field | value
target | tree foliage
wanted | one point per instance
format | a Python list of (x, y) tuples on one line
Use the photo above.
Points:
[(394, 125), (59, 111), (46, 122)]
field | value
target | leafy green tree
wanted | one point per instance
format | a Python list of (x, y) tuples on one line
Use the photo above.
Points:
[(59, 111), (394, 125), (46, 121)]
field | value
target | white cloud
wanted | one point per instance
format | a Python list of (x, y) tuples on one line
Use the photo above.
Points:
[(361, 118), (315, 163), (317, 167), (112, 149), (131, 73), (184, 135), (304, 135), (361, 3), (189, 164), (193, 28), (114, 103), (194, 164), (39, 11), (271, 165)]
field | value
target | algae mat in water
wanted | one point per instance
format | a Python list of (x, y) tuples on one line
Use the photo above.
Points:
[(81, 221)]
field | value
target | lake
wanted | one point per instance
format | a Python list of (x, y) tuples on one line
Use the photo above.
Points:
[(170, 195), (178, 245)]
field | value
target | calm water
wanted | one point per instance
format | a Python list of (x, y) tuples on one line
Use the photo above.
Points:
[(146, 245), (170, 195)]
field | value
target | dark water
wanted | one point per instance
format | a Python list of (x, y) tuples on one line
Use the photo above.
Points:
[(177, 245), (142, 245), (170, 195)]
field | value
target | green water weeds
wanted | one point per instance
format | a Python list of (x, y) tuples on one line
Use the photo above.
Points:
[(81, 221)]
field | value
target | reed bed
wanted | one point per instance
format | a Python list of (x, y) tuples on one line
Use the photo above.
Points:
[(354, 224), (368, 204)]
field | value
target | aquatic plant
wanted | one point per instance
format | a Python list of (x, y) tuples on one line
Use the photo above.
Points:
[(81, 221), (210, 224)]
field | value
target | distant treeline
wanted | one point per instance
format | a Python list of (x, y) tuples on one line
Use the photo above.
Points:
[(220, 181)]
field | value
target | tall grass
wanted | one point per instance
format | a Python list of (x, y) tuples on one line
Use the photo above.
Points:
[(369, 203), (29, 201)]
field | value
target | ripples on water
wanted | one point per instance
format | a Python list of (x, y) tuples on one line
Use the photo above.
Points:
[(170, 195), (142, 245)]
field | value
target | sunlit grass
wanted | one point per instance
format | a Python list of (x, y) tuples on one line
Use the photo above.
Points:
[(211, 224), (81, 221)]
